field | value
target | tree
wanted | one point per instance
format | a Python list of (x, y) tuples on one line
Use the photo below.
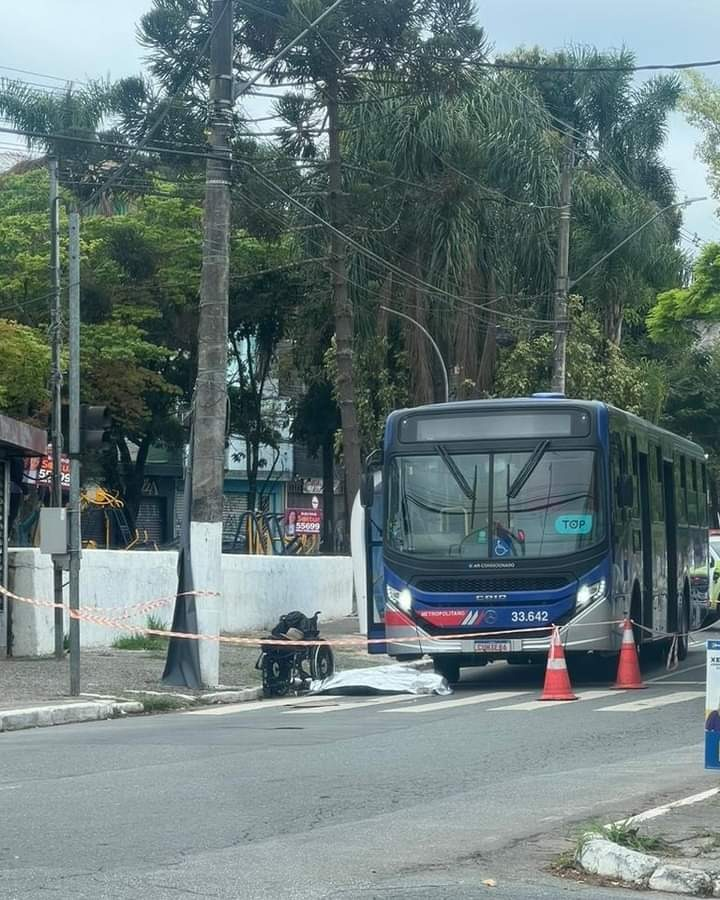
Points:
[(701, 105), (24, 372), (596, 368), (266, 287), (67, 126), (334, 58), (458, 203), (680, 313), (621, 180)]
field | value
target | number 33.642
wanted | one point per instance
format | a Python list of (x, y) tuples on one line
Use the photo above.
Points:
[(530, 615)]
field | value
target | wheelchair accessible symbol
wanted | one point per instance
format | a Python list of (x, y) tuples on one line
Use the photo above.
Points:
[(502, 547)]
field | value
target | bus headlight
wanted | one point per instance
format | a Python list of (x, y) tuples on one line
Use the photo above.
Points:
[(402, 598), (589, 593)]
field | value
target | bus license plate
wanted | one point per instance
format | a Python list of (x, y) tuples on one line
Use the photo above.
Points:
[(493, 646)]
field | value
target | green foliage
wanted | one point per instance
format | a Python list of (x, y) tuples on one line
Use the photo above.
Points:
[(142, 641), (701, 105), (24, 371), (596, 369), (678, 311), (381, 385)]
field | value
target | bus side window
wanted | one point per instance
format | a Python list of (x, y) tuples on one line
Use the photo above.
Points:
[(659, 492), (652, 477), (616, 469), (705, 499), (634, 464), (683, 505), (694, 499)]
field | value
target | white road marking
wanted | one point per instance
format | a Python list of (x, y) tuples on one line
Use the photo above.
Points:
[(661, 810), (654, 702), (545, 704), (434, 705), (251, 706), (676, 672), (338, 704)]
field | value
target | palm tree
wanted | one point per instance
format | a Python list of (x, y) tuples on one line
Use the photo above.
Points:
[(618, 132), (65, 125), (463, 182)]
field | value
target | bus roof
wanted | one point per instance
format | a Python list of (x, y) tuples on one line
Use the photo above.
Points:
[(549, 401)]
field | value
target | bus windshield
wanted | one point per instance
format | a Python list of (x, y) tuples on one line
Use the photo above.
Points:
[(536, 503)]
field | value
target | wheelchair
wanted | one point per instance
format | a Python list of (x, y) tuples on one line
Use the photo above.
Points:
[(282, 668)]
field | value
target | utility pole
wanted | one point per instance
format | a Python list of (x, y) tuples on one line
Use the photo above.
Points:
[(210, 399), (561, 270), (56, 391), (74, 449)]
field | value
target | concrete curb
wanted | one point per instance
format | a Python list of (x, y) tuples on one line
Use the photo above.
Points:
[(65, 714), (598, 856), (99, 707)]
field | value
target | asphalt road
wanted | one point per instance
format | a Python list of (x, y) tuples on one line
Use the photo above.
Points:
[(354, 797)]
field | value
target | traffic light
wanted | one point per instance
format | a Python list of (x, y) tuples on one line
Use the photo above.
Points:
[(95, 424)]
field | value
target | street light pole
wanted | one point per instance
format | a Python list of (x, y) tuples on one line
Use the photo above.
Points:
[(427, 334), (680, 204)]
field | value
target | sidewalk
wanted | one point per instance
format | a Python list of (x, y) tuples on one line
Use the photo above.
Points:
[(675, 851), (132, 675)]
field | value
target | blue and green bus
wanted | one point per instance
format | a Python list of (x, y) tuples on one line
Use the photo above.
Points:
[(487, 522)]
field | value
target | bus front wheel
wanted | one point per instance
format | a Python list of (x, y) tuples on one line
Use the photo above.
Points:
[(448, 667), (683, 637)]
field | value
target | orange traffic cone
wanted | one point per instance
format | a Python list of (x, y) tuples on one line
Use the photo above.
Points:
[(628, 674), (557, 681)]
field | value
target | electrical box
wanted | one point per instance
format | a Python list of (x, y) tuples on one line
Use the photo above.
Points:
[(53, 531)]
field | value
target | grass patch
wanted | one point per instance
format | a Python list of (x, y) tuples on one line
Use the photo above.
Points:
[(158, 703), (564, 862), (626, 835), (142, 641)]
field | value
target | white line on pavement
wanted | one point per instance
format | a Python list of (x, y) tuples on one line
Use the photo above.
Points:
[(653, 702), (677, 672), (434, 705), (337, 706), (545, 704), (661, 810), (250, 706)]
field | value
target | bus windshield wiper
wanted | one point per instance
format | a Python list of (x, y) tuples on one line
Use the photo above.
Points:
[(460, 479), (524, 474)]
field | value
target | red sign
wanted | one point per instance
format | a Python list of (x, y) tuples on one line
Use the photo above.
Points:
[(302, 521), (39, 469)]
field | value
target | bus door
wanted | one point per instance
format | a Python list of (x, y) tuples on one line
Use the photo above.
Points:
[(671, 544), (375, 568), (646, 539)]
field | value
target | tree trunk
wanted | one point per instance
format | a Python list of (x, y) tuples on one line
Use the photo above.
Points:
[(327, 541), (488, 361), (420, 354), (342, 304), (614, 315)]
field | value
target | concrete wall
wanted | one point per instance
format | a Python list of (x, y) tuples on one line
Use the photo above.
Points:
[(257, 590)]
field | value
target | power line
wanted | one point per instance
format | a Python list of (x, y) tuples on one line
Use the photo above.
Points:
[(43, 75), (539, 67), (408, 276)]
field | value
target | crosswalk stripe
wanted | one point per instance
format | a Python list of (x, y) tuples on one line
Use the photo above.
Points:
[(544, 704), (434, 705), (251, 706), (653, 702), (336, 706)]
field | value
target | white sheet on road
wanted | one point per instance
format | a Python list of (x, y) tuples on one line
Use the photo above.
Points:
[(393, 679)]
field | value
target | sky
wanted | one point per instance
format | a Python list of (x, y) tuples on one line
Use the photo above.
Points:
[(91, 38)]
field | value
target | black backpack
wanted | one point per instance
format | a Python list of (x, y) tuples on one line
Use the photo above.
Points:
[(296, 619)]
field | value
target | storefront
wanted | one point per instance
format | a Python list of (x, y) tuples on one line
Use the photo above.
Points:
[(17, 441)]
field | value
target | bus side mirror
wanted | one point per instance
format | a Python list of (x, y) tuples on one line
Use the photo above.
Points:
[(625, 491), (367, 490)]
